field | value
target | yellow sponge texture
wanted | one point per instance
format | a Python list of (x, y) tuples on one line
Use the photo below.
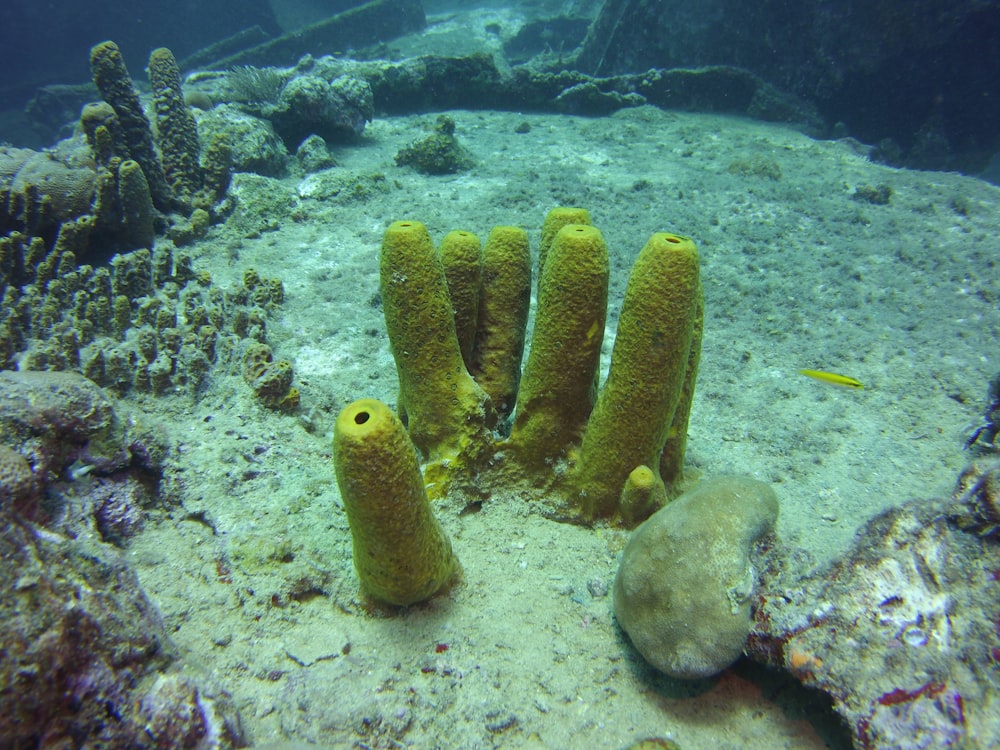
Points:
[(446, 411), (401, 553), (461, 256), (649, 367), (503, 315), (555, 220), (559, 384), (456, 319)]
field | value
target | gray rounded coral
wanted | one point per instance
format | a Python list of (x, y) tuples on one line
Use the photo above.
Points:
[(684, 586)]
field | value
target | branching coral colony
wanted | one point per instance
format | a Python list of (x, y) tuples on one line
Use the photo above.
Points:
[(456, 319)]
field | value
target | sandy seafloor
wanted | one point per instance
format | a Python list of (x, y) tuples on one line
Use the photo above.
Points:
[(252, 570)]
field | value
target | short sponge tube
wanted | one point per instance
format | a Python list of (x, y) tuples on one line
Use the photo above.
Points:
[(642, 495), (401, 553)]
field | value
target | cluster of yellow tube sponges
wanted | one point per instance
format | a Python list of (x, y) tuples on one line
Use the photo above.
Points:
[(456, 316)]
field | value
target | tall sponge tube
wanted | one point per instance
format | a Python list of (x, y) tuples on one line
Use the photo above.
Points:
[(559, 384), (446, 412), (504, 300), (461, 256), (401, 553), (672, 457), (555, 220), (650, 364)]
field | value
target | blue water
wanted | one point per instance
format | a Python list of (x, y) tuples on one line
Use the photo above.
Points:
[(917, 80)]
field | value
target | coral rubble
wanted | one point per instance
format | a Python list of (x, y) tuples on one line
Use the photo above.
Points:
[(902, 633), (438, 153), (87, 658), (311, 105)]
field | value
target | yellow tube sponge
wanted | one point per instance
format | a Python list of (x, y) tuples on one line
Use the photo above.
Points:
[(447, 412), (503, 315), (555, 220), (401, 553), (672, 457), (461, 255), (635, 409), (136, 203), (559, 384), (643, 494)]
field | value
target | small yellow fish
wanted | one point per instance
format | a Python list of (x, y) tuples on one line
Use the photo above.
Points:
[(832, 377)]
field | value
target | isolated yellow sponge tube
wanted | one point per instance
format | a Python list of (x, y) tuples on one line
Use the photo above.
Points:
[(642, 495), (559, 384), (650, 364), (176, 127), (446, 412), (401, 553)]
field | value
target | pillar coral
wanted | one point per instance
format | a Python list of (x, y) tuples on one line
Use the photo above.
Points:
[(115, 84), (179, 176), (176, 126)]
